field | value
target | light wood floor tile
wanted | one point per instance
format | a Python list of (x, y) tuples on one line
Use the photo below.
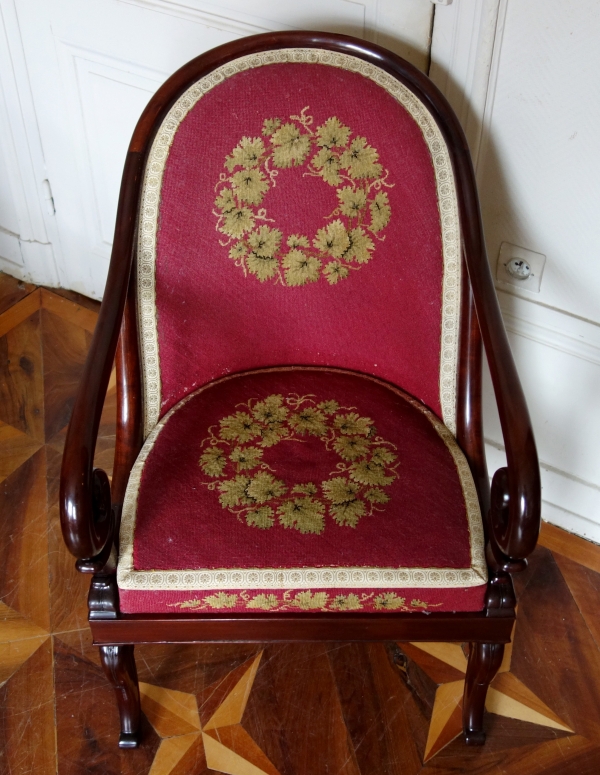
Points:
[(15, 449), (450, 653), (14, 653), (231, 710), (575, 548), (232, 750), (169, 711), (24, 541), (171, 751), (510, 697), (68, 310), (446, 718), (27, 737), (77, 298), (22, 378), (12, 291), (15, 626), (20, 312), (226, 746), (438, 670)]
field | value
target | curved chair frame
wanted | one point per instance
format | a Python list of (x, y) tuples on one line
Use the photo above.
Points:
[(90, 507)]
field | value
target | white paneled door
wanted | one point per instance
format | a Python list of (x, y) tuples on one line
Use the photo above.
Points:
[(88, 68)]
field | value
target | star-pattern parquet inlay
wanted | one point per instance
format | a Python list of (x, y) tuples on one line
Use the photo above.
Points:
[(245, 709), (507, 695)]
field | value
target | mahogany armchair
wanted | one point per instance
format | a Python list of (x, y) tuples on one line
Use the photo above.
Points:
[(296, 302)]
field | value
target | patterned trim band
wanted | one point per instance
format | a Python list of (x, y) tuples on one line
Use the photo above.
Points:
[(446, 202), (300, 578)]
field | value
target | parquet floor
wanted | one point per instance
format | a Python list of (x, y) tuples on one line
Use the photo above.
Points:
[(347, 709)]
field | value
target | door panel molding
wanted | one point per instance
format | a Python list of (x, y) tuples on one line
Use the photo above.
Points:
[(270, 16), (102, 124), (27, 254)]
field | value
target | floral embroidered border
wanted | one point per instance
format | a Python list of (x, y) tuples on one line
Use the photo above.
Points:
[(303, 600), (446, 202), (301, 578)]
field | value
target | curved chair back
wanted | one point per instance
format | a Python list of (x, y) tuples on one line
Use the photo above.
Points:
[(299, 207)]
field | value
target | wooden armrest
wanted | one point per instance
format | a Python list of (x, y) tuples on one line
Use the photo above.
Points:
[(516, 490), (85, 503)]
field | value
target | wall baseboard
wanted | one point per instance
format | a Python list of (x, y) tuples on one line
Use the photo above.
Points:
[(33, 261), (10, 251)]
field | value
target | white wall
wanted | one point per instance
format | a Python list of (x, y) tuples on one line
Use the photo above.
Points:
[(28, 236), (534, 136)]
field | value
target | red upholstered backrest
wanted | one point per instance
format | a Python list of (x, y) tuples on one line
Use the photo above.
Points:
[(299, 208)]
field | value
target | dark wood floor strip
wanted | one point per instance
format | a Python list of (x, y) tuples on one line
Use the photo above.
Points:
[(584, 585)]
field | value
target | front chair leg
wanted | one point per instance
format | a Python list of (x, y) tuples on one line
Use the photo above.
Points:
[(119, 665), (484, 661)]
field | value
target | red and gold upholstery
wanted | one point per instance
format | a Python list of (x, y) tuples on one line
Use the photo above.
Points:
[(299, 209), (301, 489)]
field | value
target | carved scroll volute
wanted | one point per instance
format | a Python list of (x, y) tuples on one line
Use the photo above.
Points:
[(499, 527)]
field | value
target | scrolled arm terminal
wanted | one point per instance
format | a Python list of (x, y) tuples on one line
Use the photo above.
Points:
[(85, 502), (516, 490)]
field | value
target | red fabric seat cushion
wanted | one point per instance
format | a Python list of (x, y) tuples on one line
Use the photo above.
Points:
[(297, 489)]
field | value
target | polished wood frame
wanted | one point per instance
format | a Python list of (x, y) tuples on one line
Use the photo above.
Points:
[(91, 506)]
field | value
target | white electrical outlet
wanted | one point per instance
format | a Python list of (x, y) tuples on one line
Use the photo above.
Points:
[(520, 268)]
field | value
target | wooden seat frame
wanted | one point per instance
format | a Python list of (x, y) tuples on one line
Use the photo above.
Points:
[(91, 506)]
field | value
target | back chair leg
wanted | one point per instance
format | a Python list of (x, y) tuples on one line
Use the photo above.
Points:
[(484, 662), (119, 665)]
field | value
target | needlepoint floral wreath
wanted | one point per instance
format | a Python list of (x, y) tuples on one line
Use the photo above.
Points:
[(249, 488), (330, 152)]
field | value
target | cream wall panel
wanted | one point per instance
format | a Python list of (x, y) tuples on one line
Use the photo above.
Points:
[(561, 388), (539, 179), (26, 228), (9, 220), (105, 96), (559, 363), (540, 173), (532, 133), (464, 35), (403, 26)]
